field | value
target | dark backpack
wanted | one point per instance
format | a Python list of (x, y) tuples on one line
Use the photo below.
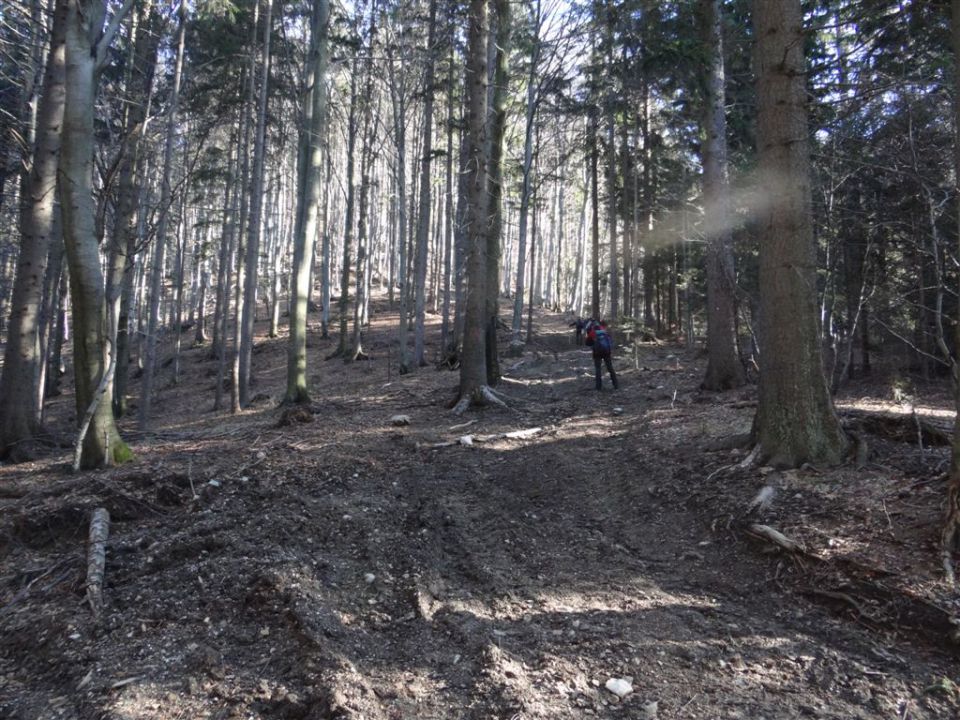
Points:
[(602, 342)]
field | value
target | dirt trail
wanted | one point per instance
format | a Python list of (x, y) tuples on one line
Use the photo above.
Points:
[(343, 568)]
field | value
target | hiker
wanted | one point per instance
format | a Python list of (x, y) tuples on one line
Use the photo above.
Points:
[(579, 324), (598, 337)]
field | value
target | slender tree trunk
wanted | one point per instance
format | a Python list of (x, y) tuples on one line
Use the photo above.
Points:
[(255, 221), (526, 186), (951, 528), (594, 217), (344, 304), (426, 200), (498, 125), (724, 369), (19, 384), (166, 193), (796, 422), (448, 211), (309, 168)]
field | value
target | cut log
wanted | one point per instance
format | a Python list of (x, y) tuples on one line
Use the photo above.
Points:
[(97, 558)]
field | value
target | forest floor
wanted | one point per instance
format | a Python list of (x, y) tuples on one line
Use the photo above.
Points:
[(342, 567)]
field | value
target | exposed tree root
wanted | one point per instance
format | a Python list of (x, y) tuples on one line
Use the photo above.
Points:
[(483, 395)]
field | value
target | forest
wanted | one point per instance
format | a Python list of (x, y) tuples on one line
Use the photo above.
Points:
[(304, 310)]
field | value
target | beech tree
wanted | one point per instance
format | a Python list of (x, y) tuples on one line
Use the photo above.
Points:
[(309, 168), (87, 39)]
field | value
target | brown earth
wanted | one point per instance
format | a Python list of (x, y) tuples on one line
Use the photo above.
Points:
[(334, 565)]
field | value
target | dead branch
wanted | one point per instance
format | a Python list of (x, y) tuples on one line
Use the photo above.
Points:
[(777, 538), (96, 558)]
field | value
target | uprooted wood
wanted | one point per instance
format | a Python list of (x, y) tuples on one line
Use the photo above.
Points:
[(97, 558), (468, 440)]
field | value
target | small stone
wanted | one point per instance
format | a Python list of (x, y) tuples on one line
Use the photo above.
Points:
[(618, 411), (649, 710), (619, 687), (368, 578), (400, 420), (214, 483)]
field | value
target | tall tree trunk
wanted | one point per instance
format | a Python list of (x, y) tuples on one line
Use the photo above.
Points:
[(448, 209), (19, 385), (950, 538), (423, 219), (130, 180), (595, 216), (86, 48), (473, 365), (344, 303), (254, 222), (498, 125), (309, 183), (526, 187), (796, 422), (166, 193), (724, 369)]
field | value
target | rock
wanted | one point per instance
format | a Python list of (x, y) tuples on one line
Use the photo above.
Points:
[(649, 710), (400, 420), (368, 578), (466, 440), (214, 483), (618, 411), (620, 687)]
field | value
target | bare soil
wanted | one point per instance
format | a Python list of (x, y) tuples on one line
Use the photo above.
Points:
[(331, 564)]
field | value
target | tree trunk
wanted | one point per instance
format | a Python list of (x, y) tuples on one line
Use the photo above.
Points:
[(473, 365), (254, 222), (951, 528), (498, 124), (796, 422), (526, 185), (92, 341), (724, 369), (423, 220), (309, 183), (19, 385), (156, 278), (344, 303)]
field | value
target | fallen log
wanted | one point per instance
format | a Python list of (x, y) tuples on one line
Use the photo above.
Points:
[(902, 427), (97, 558)]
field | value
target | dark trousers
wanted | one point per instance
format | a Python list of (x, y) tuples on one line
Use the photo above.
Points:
[(600, 359)]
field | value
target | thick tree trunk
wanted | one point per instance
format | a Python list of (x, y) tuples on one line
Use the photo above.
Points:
[(19, 385), (796, 422), (309, 184), (473, 365), (92, 342)]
